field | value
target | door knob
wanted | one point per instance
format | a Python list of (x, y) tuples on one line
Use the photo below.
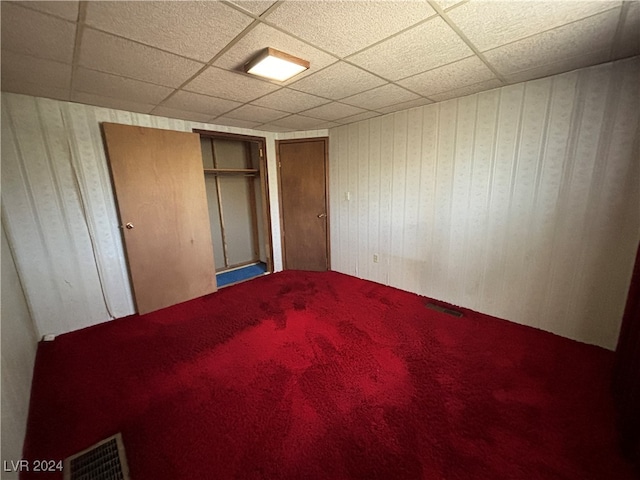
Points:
[(129, 225), (322, 215)]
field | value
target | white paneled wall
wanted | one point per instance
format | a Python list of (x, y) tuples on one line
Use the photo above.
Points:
[(521, 202), (59, 211), (18, 354)]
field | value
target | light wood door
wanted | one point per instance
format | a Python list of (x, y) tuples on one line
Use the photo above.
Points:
[(303, 203), (159, 185)]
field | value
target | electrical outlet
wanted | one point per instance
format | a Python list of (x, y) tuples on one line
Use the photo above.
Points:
[(375, 258)]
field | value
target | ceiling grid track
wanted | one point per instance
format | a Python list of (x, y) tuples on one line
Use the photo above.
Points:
[(466, 40), (226, 48), (82, 14)]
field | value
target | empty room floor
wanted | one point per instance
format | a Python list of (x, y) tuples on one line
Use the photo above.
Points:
[(306, 375)]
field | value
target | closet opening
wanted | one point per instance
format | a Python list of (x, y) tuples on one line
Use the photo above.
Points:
[(235, 174)]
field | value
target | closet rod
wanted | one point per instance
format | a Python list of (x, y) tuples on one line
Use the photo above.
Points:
[(237, 171), (224, 174)]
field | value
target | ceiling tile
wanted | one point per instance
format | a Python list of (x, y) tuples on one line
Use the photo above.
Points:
[(66, 10), (289, 100), (405, 106), (338, 81), (422, 48), (194, 102), (106, 85), (256, 114), (37, 34), (298, 122), (565, 65), (35, 90), (325, 125), (380, 97), (181, 114), (256, 7), (630, 38), (359, 117), (591, 34), (333, 111), (523, 40), (232, 85), (104, 52), (444, 4), (108, 102), (344, 27), (491, 24), (197, 30), (455, 75), (468, 90), (234, 122), (21, 68), (264, 36)]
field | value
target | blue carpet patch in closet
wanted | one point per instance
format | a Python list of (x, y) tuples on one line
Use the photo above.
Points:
[(240, 274)]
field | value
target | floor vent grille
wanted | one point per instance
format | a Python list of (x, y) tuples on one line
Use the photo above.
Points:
[(440, 309), (105, 460)]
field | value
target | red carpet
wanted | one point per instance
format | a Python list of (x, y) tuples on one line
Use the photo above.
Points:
[(302, 375)]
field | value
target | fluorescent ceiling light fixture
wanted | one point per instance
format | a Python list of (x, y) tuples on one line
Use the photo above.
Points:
[(276, 65)]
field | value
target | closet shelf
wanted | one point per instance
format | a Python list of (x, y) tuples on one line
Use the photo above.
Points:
[(240, 171)]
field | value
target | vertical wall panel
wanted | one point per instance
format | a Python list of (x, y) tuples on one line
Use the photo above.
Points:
[(479, 194), (340, 215), (397, 265), (386, 176), (363, 200), (59, 211), (504, 166), (412, 267), (529, 145), (427, 197), (443, 200), (353, 224), (274, 201), (89, 164), (613, 222), (18, 355), (373, 241), (24, 222), (522, 202), (461, 184), (53, 214), (547, 208), (601, 100), (334, 207)]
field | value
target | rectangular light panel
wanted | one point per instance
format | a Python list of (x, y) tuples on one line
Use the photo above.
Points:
[(276, 65)]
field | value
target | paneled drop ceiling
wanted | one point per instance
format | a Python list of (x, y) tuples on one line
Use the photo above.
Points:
[(183, 59)]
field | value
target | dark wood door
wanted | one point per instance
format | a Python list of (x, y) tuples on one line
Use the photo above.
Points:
[(303, 203), (159, 185)]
